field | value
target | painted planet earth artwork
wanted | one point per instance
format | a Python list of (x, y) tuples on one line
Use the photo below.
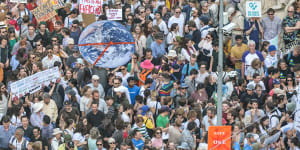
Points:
[(106, 44)]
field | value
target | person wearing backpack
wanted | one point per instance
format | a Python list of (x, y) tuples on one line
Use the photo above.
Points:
[(189, 66), (18, 142), (293, 57)]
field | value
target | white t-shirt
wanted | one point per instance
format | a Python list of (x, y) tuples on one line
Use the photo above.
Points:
[(207, 124), (179, 21), (78, 137), (124, 77), (125, 117), (162, 26)]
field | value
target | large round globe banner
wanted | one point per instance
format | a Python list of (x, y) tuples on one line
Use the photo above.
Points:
[(106, 44)]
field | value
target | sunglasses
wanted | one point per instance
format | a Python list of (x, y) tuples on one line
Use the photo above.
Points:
[(99, 144), (54, 40), (158, 132), (289, 80), (38, 45), (178, 12), (290, 11), (112, 143), (270, 14), (142, 12)]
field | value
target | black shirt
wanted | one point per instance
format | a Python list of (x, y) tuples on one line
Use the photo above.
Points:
[(28, 133), (95, 119), (43, 140)]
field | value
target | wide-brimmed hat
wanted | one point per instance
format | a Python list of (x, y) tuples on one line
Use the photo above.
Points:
[(146, 64), (71, 41), (37, 107), (172, 53), (57, 131)]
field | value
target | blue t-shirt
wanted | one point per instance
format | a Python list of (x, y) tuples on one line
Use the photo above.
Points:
[(133, 92), (254, 35), (138, 143), (247, 147)]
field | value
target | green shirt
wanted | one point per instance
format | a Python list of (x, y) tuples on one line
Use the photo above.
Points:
[(162, 121)]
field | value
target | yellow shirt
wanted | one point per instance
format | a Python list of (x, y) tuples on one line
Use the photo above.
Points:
[(238, 52), (51, 110)]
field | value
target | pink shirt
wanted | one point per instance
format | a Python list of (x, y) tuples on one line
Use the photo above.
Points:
[(157, 142)]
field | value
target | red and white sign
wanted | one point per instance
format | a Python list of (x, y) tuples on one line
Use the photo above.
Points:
[(114, 14), (90, 6)]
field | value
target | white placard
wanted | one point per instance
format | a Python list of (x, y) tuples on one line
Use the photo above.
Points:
[(33, 83), (18, 1), (253, 9), (114, 14)]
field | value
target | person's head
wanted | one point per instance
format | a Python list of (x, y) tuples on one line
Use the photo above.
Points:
[(36, 131), (94, 107), (265, 45), (204, 5), (251, 45), (159, 37), (211, 112), (191, 126), (139, 121), (291, 11), (202, 66), (112, 143), (46, 98), (231, 114), (138, 135), (6, 122), (46, 120), (177, 12), (158, 15), (256, 77), (3, 41), (37, 145), (193, 59), (158, 132), (31, 29), (68, 105), (49, 50), (99, 143), (256, 64), (272, 50), (57, 26), (271, 13), (225, 106), (117, 82), (19, 133), (239, 39)]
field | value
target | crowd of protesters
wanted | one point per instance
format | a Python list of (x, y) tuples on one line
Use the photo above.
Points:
[(165, 97)]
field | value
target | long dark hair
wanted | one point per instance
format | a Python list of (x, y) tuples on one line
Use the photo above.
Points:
[(5, 93)]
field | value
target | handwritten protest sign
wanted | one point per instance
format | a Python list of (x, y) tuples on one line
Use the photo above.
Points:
[(18, 1), (114, 14), (88, 19), (44, 12), (219, 137), (34, 82), (57, 3), (253, 9), (90, 6)]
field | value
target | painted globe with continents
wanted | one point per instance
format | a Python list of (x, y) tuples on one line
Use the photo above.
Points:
[(106, 44)]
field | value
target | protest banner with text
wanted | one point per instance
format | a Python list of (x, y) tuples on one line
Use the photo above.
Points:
[(114, 14), (44, 12), (33, 83), (90, 6)]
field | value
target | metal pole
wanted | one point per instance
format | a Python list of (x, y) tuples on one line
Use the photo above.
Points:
[(220, 66)]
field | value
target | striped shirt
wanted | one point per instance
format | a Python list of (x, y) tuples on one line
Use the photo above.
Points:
[(143, 130)]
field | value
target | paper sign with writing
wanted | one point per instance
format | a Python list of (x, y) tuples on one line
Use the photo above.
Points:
[(90, 6), (253, 9), (18, 1), (114, 14), (88, 19), (44, 12), (219, 137), (57, 3), (33, 83)]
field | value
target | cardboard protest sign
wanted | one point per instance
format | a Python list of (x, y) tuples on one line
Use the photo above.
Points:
[(44, 12), (57, 3), (114, 14), (88, 19), (33, 83), (219, 137), (18, 1), (253, 9), (90, 6)]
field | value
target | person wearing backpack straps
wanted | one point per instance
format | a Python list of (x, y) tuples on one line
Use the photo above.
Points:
[(293, 57), (18, 142), (189, 66)]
